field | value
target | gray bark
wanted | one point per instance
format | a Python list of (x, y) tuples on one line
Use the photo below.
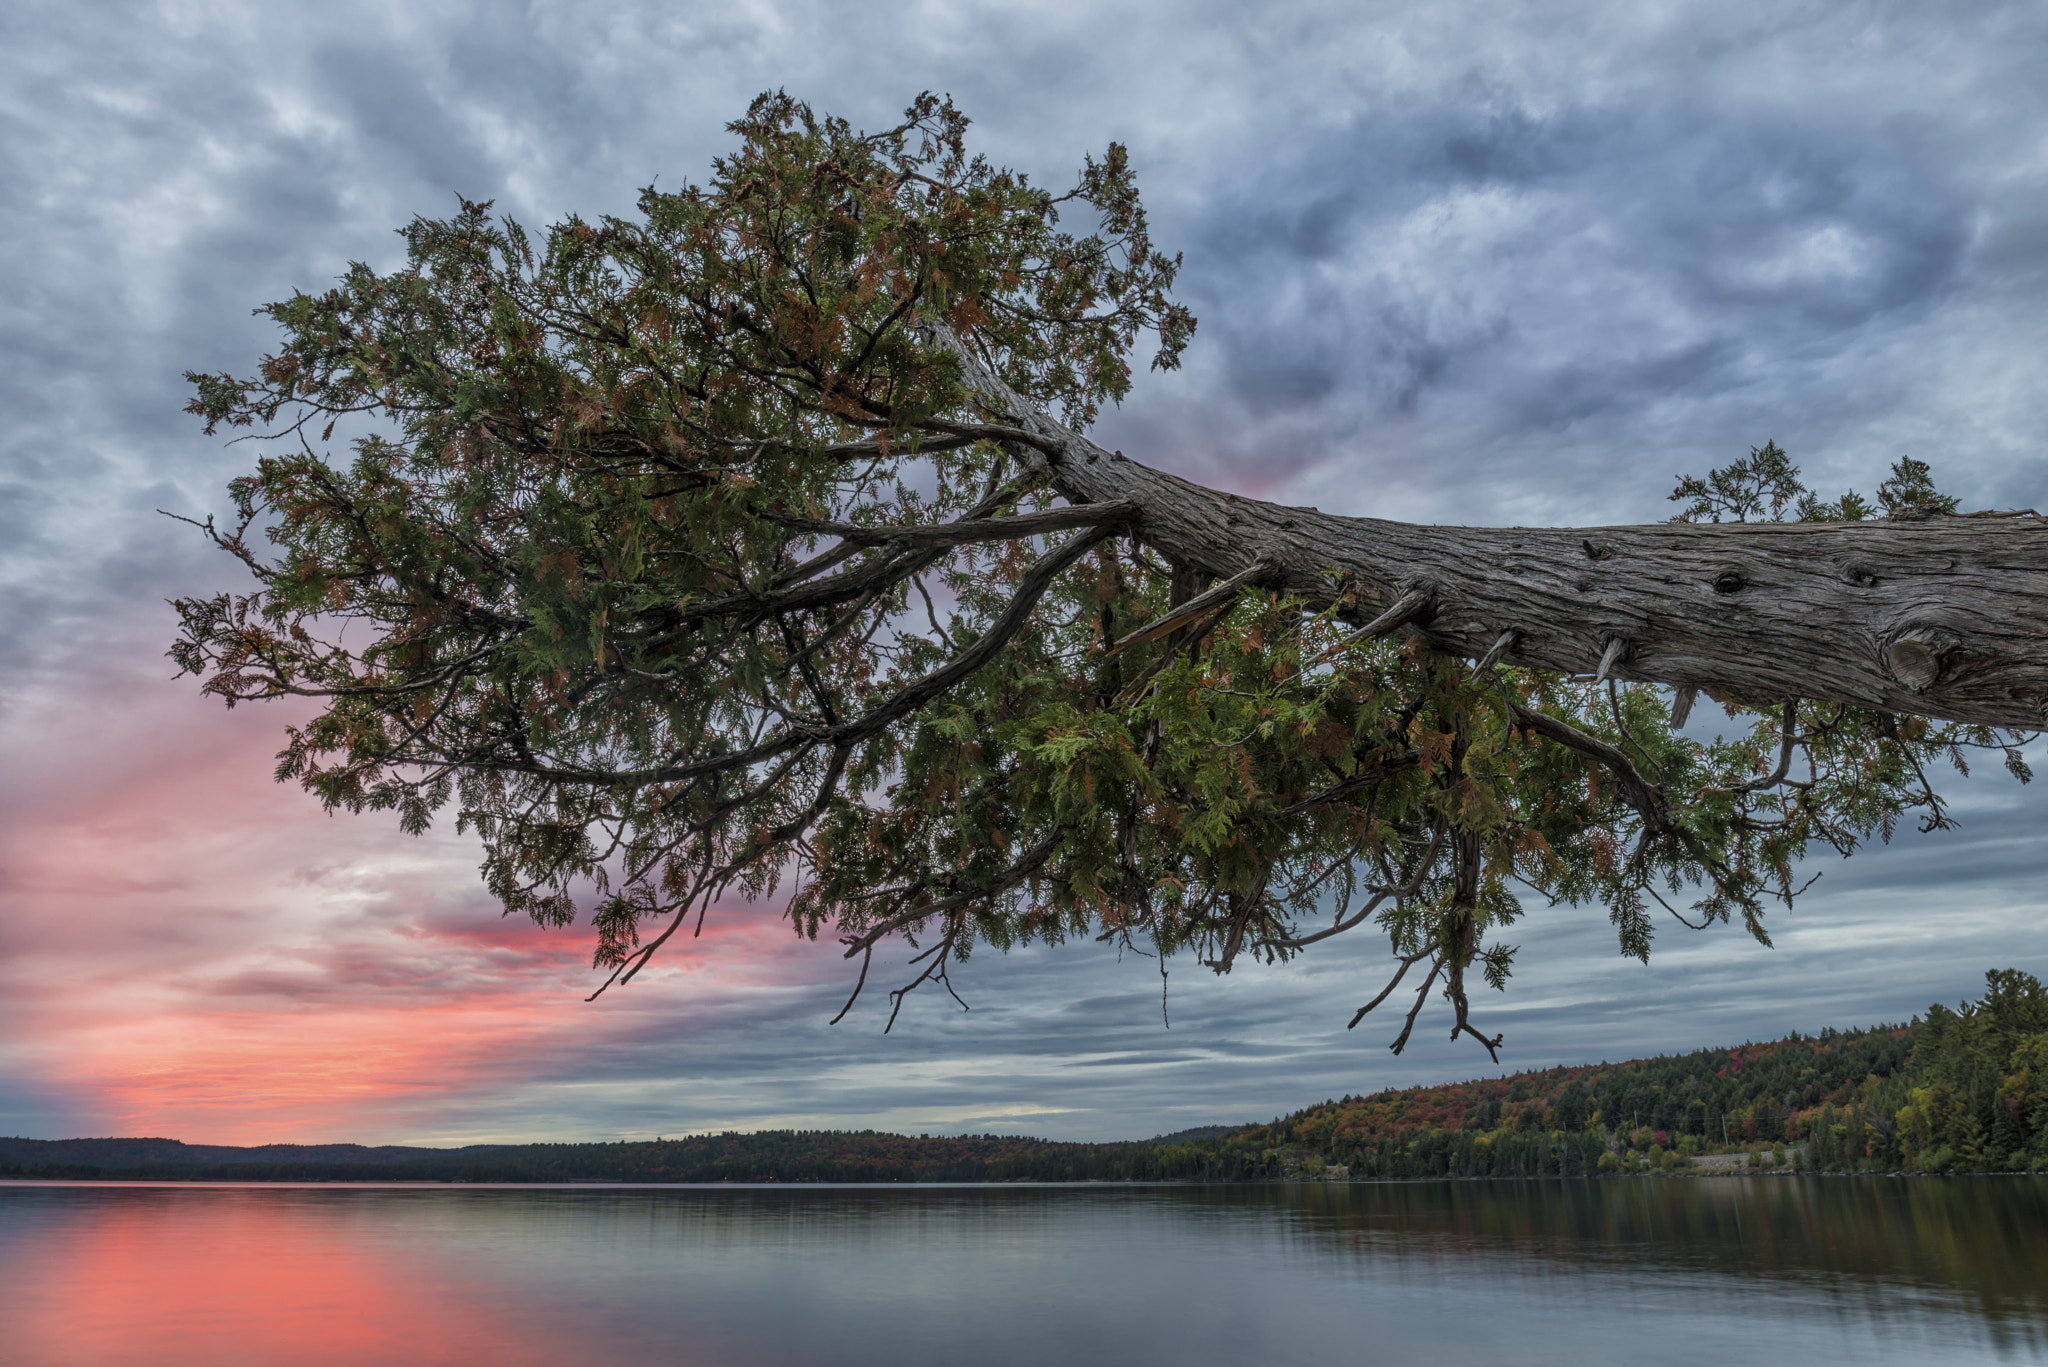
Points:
[(1944, 616)]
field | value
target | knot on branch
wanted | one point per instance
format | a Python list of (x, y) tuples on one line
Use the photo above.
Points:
[(1916, 656)]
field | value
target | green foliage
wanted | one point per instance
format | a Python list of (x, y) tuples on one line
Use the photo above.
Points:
[(1761, 487), (1756, 489), (674, 553), (1977, 1093)]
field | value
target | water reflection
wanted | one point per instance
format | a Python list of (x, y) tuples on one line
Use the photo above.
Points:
[(1823, 1269), (1981, 1242)]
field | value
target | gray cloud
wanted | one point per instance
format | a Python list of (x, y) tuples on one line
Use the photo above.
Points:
[(1454, 261)]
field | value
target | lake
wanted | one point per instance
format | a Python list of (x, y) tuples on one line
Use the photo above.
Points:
[(1805, 1270)]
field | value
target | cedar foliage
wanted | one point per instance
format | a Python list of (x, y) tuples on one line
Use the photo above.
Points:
[(675, 555)]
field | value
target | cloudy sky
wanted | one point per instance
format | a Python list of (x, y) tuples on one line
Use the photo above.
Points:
[(1488, 263)]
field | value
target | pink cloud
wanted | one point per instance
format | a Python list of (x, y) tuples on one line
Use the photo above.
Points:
[(190, 949)]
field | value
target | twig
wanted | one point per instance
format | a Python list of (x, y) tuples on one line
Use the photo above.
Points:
[(1407, 962), (1421, 996), (866, 959)]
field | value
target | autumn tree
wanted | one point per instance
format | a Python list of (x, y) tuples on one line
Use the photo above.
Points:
[(751, 547)]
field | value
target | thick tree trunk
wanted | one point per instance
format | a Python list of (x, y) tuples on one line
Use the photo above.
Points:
[(1946, 616)]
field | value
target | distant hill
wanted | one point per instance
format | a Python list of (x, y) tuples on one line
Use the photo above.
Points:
[(1962, 1089), (133, 1153), (1197, 1132), (1958, 1089), (770, 1156)]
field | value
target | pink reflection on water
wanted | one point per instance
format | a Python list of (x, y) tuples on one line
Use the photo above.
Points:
[(177, 1276)]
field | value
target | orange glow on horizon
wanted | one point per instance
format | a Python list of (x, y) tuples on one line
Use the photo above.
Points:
[(324, 1069), (248, 970)]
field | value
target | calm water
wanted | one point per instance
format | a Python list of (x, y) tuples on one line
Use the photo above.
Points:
[(1800, 1271)]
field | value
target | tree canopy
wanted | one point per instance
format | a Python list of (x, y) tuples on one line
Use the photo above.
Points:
[(749, 547)]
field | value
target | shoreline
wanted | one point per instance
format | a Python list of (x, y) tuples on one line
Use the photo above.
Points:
[(761, 1184)]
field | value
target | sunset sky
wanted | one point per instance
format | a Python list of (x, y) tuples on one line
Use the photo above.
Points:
[(1486, 263)]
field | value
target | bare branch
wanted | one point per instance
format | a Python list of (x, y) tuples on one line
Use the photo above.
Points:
[(966, 531), (1201, 604)]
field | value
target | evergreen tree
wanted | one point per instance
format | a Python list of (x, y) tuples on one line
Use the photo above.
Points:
[(750, 545)]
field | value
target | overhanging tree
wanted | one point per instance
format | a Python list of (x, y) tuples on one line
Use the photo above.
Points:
[(752, 545)]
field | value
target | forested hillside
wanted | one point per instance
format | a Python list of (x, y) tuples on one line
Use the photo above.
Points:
[(767, 1156), (1959, 1088), (1963, 1088)]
